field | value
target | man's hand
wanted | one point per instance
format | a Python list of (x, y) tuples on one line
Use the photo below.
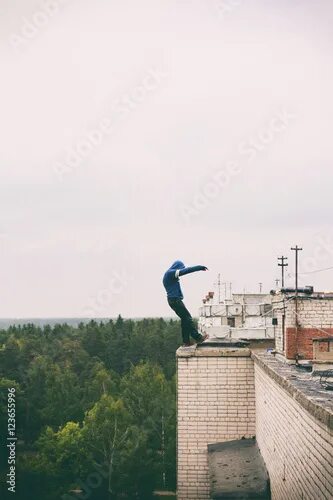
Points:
[(205, 268)]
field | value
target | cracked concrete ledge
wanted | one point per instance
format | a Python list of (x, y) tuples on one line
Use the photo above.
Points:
[(302, 387), (213, 352)]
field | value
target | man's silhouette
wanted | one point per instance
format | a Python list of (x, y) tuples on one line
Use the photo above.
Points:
[(175, 300)]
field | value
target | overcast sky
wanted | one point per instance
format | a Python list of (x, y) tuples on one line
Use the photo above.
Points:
[(137, 133)]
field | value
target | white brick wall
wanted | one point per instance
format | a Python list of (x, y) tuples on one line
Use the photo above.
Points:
[(297, 448), (216, 402), (312, 312)]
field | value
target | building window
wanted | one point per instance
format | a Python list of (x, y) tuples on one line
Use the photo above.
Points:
[(231, 322), (267, 308)]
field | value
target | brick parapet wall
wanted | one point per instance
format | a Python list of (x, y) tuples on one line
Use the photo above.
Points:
[(215, 403), (294, 431)]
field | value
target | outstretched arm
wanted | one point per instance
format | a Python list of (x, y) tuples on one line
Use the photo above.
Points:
[(188, 270)]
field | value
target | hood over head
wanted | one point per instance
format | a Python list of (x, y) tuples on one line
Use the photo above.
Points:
[(178, 264)]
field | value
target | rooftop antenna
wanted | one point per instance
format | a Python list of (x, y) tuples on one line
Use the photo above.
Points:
[(218, 283)]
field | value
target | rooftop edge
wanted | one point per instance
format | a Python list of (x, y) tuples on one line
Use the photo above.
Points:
[(303, 387)]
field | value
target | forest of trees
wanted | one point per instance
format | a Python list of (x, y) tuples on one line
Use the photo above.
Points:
[(95, 408)]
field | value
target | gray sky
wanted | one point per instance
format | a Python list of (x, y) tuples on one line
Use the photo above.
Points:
[(137, 133)]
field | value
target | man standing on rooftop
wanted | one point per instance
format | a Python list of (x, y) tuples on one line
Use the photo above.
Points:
[(175, 300)]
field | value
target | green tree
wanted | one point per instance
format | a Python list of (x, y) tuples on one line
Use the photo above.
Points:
[(61, 460), (108, 435), (100, 381), (150, 400), (53, 396)]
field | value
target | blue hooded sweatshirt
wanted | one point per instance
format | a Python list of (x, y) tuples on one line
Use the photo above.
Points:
[(171, 278)]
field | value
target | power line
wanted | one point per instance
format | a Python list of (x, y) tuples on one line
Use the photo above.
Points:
[(317, 270)]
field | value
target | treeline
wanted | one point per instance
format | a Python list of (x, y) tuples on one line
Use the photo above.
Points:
[(95, 408)]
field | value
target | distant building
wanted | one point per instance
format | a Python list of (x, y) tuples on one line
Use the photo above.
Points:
[(242, 316)]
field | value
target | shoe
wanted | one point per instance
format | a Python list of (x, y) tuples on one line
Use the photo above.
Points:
[(203, 338), (187, 344)]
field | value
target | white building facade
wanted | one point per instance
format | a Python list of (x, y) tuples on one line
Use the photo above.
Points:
[(242, 316)]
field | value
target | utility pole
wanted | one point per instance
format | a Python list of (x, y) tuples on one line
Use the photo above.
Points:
[(296, 249), (283, 265), (260, 287)]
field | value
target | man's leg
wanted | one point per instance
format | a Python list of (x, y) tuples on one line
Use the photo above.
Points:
[(189, 324), (185, 334), (188, 327), (175, 305)]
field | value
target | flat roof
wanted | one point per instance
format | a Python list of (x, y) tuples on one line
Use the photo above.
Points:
[(237, 470)]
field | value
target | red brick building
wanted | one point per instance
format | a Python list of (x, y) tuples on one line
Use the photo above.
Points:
[(299, 321)]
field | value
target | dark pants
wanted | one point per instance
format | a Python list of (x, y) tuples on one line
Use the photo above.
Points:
[(188, 327)]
